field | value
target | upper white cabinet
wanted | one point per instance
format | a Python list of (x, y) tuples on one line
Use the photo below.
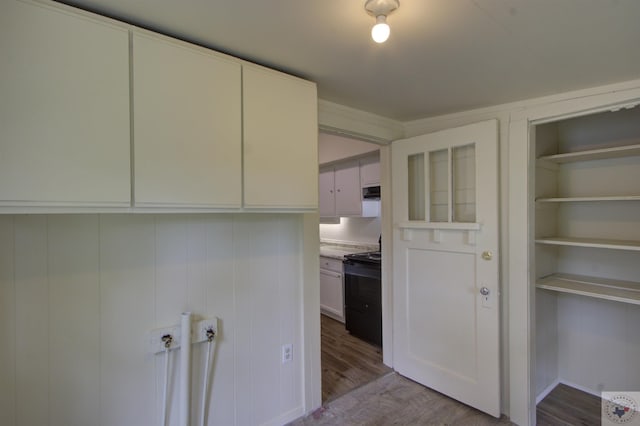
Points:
[(370, 170), (340, 191), (88, 103), (187, 125), (280, 140), (64, 109)]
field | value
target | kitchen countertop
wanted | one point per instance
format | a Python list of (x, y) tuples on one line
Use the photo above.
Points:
[(338, 251)]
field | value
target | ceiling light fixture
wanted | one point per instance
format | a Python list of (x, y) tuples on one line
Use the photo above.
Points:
[(380, 9)]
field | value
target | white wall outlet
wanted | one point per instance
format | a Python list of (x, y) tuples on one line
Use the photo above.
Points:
[(158, 339), (200, 330), (287, 353)]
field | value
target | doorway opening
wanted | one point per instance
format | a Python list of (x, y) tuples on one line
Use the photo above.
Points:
[(350, 222)]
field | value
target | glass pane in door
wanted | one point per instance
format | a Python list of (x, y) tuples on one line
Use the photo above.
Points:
[(439, 185), (416, 187), (464, 183)]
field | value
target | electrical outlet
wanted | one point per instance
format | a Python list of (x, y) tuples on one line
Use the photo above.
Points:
[(200, 328), (287, 353), (157, 343)]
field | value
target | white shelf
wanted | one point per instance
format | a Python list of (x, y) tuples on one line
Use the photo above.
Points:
[(591, 242), (595, 154), (461, 226), (589, 199), (601, 288)]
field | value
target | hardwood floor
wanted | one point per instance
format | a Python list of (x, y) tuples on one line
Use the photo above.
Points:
[(566, 406), (357, 389), (347, 362), (395, 400)]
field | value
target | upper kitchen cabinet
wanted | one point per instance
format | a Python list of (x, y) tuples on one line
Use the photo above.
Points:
[(187, 125), (280, 140), (340, 191), (370, 170), (64, 115)]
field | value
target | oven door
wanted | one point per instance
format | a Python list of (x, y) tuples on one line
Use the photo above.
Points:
[(363, 301)]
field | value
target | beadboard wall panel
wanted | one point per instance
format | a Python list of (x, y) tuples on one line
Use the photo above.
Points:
[(80, 293), (7, 323)]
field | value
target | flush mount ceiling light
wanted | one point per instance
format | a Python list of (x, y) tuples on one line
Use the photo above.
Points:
[(380, 9)]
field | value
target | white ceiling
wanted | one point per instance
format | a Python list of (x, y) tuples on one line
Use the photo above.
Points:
[(442, 56)]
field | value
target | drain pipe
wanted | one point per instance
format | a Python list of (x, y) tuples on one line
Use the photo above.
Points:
[(185, 369)]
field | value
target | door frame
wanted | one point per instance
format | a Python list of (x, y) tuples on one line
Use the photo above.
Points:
[(522, 395)]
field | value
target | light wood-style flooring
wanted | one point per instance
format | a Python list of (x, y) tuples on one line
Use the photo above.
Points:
[(347, 362)]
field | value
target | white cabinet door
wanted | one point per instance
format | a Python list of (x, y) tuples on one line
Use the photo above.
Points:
[(327, 199), (187, 125), (64, 109), (347, 189), (370, 171), (280, 140), (331, 294)]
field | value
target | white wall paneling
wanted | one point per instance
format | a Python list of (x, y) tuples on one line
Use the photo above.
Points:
[(7, 322), (80, 293)]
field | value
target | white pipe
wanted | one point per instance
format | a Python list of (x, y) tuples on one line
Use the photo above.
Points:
[(205, 386), (185, 369), (166, 385)]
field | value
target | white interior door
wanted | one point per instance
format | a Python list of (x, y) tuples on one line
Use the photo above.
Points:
[(445, 263)]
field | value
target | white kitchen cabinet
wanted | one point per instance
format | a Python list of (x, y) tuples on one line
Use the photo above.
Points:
[(327, 198), (64, 114), (187, 116), (587, 250), (370, 170), (280, 123), (340, 190), (331, 288)]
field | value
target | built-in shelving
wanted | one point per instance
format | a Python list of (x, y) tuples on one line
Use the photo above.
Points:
[(601, 288), (588, 199), (591, 242), (459, 226), (594, 154)]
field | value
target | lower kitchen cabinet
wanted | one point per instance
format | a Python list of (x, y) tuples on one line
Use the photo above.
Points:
[(331, 288)]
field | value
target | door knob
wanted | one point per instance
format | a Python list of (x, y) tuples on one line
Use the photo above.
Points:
[(484, 291), (487, 255)]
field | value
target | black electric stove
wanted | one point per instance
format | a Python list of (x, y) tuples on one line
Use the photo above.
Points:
[(363, 296)]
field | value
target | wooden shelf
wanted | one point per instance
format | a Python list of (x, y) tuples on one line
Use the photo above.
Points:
[(595, 154), (588, 199), (591, 242), (601, 288)]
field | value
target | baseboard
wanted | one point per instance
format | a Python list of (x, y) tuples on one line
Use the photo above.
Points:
[(581, 388), (285, 418), (546, 391)]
